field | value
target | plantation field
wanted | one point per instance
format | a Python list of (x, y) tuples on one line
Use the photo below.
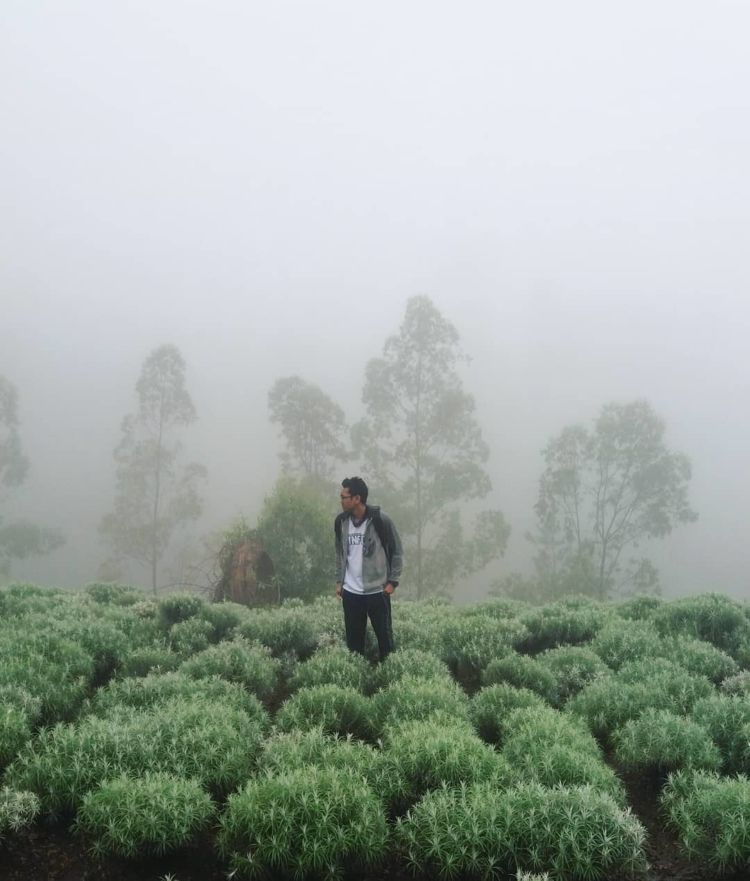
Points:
[(144, 739)]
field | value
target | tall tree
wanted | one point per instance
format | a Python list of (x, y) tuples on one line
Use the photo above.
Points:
[(19, 539), (312, 426), (423, 450), (602, 492), (155, 493)]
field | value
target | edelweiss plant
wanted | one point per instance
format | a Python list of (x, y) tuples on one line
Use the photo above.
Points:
[(521, 671), (481, 832), (154, 814), (17, 810), (490, 707), (411, 663), (411, 699), (248, 664), (659, 741), (308, 823), (333, 665), (335, 709), (572, 667), (711, 816)]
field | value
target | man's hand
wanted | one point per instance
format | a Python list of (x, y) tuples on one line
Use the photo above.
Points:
[(338, 590), (389, 588)]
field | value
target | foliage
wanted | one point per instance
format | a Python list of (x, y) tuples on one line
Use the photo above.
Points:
[(659, 741), (469, 642), (422, 755), (700, 658), (521, 671), (154, 814), (337, 710), (333, 665), (491, 706), (570, 621), (712, 617), (14, 732), (155, 494), (711, 815), (572, 667), (112, 594), (308, 823), (17, 811), (291, 628), (423, 448), (248, 664), (547, 747), (481, 832), (312, 426), (187, 638), (739, 684), (610, 701), (411, 699), (207, 740), (726, 718), (142, 661), (412, 663), (291, 750), (157, 689), (622, 641), (601, 493), (296, 528)]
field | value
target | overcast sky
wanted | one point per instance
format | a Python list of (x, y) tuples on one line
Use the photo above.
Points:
[(265, 184)]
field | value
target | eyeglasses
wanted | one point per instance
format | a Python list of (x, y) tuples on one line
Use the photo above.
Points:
[(344, 497)]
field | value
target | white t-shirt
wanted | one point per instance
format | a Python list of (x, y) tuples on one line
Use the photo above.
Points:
[(353, 575)]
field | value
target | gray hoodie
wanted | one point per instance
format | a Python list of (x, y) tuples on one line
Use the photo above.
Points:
[(382, 558)]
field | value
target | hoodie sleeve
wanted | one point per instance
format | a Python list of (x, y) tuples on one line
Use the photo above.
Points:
[(394, 551)]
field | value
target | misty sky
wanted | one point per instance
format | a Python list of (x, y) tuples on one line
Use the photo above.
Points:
[(265, 184)]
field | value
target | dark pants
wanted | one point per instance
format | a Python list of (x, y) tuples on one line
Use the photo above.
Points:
[(357, 608)]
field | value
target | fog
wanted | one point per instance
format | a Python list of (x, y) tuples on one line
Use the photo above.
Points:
[(265, 185)]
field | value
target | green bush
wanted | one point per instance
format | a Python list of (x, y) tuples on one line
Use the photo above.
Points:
[(573, 668), (21, 699), (142, 661), (490, 707), (699, 658), (725, 717), (608, 703), (425, 755), (480, 832), (411, 663), (308, 823), (224, 617), (737, 685), (177, 608), (111, 594), (711, 816), (17, 811), (659, 741), (335, 709), (547, 747), (160, 688), (137, 817), (15, 731), (620, 642), (411, 699), (292, 750), (290, 629), (212, 742), (711, 617), (639, 608), (333, 665), (521, 671), (571, 621), (187, 638), (248, 664), (469, 642)]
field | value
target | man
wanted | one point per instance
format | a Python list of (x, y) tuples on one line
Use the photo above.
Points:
[(369, 560)]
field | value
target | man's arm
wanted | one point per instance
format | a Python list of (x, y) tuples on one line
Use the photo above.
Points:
[(394, 551)]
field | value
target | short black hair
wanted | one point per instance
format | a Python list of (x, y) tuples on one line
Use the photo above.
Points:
[(356, 487)]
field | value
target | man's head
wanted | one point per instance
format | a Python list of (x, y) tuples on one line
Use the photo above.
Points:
[(353, 493)]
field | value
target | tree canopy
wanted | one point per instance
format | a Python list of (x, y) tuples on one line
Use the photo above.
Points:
[(155, 493), (423, 451), (602, 492)]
